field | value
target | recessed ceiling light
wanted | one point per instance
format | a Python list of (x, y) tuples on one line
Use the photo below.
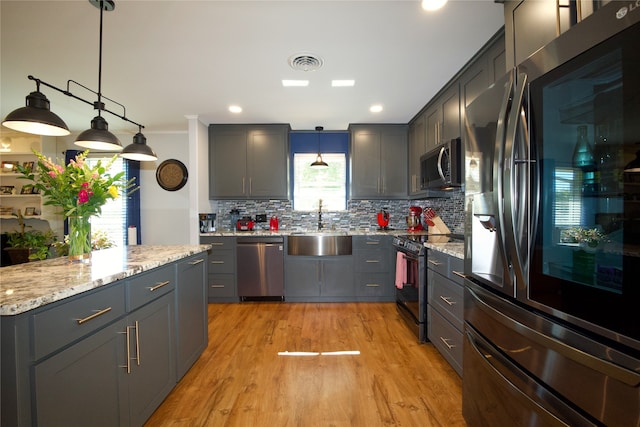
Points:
[(433, 4), (343, 83), (298, 83), (235, 109), (375, 108)]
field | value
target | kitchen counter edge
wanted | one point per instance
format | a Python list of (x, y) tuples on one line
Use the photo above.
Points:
[(25, 287)]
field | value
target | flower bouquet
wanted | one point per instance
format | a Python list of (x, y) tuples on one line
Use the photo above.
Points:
[(585, 237), (79, 190)]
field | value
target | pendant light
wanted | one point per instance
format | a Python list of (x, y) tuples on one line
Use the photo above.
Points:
[(36, 117), (98, 136), (139, 150), (319, 163)]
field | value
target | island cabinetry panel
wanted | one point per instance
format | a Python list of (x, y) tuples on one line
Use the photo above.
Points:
[(221, 279), (446, 306), (191, 311), (379, 161), (319, 278), (248, 161), (373, 268)]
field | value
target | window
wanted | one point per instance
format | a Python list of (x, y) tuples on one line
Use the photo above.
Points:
[(568, 198), (310, 185)]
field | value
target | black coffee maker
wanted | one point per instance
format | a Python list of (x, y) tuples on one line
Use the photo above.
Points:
[(207, 222)]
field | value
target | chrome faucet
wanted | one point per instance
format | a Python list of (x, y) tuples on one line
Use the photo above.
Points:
[(320, 215)]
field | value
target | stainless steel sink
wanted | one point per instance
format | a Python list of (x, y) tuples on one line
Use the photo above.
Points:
[(319, 244)]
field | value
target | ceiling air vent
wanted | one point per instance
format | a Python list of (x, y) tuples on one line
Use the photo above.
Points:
[(305, 62)]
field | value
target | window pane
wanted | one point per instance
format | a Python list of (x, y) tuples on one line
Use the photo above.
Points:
[(328, 184)]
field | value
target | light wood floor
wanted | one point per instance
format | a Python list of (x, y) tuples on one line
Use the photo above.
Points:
[(240, 380)]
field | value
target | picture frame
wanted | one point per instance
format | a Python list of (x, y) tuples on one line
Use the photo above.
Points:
[(28, 166), (6, 190), (27, 189), (9, 167), (30, 211)]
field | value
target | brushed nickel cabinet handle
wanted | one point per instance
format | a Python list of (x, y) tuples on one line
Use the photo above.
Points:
[(457, 273), (94, 315), (436, 263), (216, 244), (447, 300), (137, 343), (372, 261), (445, 341), (128, 365), (159, 285), (196, 262), (217, 262), (217, 286), (373, 285), (372, 242)]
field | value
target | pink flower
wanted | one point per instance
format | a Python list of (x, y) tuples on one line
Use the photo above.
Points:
[(83, 196)]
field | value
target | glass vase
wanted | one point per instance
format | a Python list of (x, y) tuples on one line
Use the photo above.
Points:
[(79, 238)]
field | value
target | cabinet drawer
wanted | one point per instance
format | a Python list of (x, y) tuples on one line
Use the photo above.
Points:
[(373, 285), (447, 339), (221, 286), (447, 297), (222, 262), (148, 286), (438, 261), (67, 322), (369, 242), (456, 270), (218, 242), (372, 261)]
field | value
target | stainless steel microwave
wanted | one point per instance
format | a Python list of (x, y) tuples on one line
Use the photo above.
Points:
[(441, 168)]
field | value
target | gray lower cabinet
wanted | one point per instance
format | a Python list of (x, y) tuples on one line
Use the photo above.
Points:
[(373, 268), (321, 278), (105, 357), (221, 280), (445, 310), (191, 311)]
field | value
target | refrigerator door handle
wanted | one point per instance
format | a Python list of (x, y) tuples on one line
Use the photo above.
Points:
[(515, 185), (498, 175)]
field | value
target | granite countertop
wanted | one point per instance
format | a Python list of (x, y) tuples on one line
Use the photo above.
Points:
[(287, 232), (27, 286), (455, 249)]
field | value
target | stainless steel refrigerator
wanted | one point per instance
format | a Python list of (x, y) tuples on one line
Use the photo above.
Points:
[(552, 266)]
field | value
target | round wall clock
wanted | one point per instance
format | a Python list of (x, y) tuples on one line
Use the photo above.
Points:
[(172, 175)]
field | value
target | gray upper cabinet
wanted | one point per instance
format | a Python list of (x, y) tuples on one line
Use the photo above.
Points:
[(379, 161), (417, 147), (531, 24), (248, 161)]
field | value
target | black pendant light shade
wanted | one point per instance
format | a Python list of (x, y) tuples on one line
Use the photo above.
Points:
[(36, 118), (319, 163), (99, 137), (139, 150)]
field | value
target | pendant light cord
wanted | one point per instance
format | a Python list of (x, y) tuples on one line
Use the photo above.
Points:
[(99, 105)]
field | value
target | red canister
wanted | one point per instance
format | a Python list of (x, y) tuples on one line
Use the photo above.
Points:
[(273, 223)]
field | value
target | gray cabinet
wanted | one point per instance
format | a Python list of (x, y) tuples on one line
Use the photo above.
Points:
[(445, 310), (221, 278), (104, 357), (373, 268), (318, 278), (531, 24), (417, 147), (379, 161), (248, 161), (191, 311)]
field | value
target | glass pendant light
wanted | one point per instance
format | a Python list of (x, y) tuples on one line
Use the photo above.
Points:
[(139, 150), (319, 163), (36, 117), (98, 136)]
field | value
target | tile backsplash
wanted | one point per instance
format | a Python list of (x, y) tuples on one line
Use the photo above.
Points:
[(360, 214)]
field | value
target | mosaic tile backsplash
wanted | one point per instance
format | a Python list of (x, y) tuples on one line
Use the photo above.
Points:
[(361, 214)]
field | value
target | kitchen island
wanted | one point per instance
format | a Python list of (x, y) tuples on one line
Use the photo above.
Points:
[(100, 343)]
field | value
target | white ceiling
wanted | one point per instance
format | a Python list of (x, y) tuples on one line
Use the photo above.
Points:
[(165, 60)]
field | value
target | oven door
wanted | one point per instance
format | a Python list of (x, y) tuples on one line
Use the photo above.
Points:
[(410, 290)]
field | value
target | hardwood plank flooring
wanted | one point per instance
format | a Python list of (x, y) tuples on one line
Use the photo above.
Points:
[(240, 380)]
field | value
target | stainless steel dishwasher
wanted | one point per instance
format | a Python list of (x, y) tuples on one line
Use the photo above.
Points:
[(260, 268)]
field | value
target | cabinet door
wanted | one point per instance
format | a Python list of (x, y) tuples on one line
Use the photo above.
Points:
[(530, 24), (336, 275), (434, 126), (267, 163), (366, 164), (393, 162), (152, 357), (191, 312), (417, 147), (451, 114), (85, 385), (227, 162), (302, 276)]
